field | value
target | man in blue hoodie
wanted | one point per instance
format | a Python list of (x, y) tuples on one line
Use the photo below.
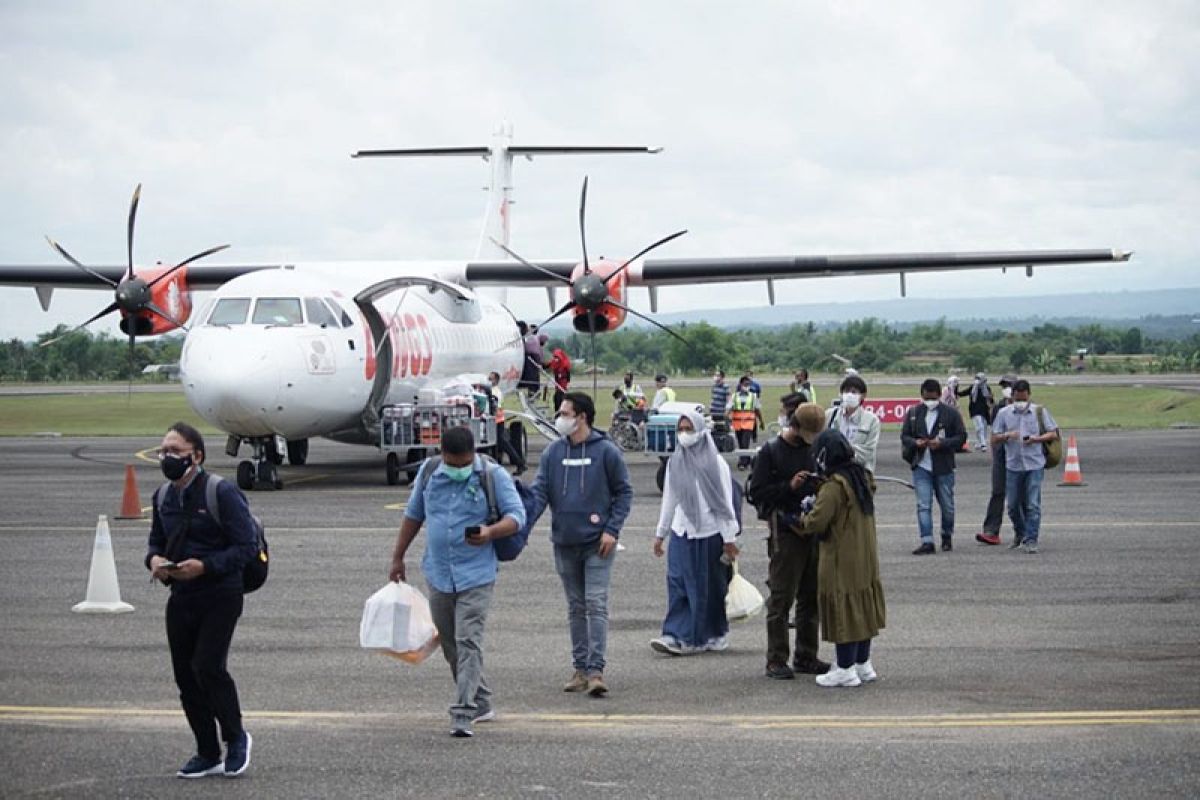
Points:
[(583, 479)]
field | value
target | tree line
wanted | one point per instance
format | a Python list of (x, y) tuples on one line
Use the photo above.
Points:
[(867, 344)]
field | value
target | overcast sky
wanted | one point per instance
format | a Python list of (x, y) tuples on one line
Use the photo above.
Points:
[(788, 128)]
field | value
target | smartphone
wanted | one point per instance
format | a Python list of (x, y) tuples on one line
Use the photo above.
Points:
[(471, 531), (169, 565)]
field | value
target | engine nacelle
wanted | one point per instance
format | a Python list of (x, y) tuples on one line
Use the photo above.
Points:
[(171, 295), (606, 317)]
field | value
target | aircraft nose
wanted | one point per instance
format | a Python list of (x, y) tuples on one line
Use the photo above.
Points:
[(234, 385)]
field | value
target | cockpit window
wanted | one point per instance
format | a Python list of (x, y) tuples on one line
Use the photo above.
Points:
[(277, 311), (230, 311), (339, 312), (318, 314)]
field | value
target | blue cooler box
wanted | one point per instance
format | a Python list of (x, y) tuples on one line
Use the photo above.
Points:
[(660, 433)]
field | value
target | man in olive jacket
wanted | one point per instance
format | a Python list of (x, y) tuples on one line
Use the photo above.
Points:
[(932, 433)]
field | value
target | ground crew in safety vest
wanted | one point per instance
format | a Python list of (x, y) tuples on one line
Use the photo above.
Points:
[(665, 394), (503, 443), (745, 417)]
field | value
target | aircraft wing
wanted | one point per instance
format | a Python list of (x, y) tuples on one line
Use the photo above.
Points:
[(677, 271), (65, 276)]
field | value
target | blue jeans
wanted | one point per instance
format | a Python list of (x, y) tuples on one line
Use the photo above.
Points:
[(1024, 490), (927, 484), (585, 576)]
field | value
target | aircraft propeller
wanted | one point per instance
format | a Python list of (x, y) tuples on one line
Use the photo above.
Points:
[(590, 291), (133, 294)]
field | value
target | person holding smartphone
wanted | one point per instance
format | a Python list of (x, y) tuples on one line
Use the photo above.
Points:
[(202, 561), (1022, 428), (460, 562)]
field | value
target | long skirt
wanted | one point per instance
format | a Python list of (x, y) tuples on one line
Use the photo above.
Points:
[(696, 585)]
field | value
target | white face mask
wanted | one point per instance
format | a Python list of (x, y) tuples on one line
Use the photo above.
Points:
[(851, 400), (1006, 392), (1021, 405), (783, 420), (931, 404), (688, 438), (566, 425)]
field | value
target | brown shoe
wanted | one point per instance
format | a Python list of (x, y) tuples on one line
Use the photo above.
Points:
[(578, 682), (596, 686)]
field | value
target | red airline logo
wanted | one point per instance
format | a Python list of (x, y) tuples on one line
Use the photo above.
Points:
[(412, 346)]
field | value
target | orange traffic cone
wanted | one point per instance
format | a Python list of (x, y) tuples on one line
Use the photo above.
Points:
[(1072, 475), (131, 507)]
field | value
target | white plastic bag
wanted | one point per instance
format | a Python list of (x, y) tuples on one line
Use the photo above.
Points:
[(397, 622), (742, 601)]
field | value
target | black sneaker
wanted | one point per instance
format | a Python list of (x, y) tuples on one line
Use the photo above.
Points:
[(780, 672), (810, 666), (200, 767), (926, 549), (237, 755), (947, 545), (462, 730)]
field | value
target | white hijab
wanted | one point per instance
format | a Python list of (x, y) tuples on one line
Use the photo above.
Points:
[(695, 472)]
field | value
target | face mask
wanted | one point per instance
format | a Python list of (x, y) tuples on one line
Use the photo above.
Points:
[(783, 420), (175, 467), (851, 400), (931, 404), (688, 438), (1006, 392), (716, 378), (566, 425), (1021, 405), (459, 474)]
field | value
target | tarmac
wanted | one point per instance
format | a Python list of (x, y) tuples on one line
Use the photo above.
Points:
[(1071, 673)]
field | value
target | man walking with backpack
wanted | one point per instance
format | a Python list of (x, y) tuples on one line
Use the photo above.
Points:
[(201, 553), (1024, 428), (451, 494)]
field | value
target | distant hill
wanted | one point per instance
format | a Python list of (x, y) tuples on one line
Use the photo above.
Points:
[(1161, 313)]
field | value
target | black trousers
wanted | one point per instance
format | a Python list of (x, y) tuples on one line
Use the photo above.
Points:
[(994, 517), (505, 445), (792, 579), (199, 631)]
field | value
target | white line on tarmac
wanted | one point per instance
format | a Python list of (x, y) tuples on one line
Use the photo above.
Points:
[(1177, 716)]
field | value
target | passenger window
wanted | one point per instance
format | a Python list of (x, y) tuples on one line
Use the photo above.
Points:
[(278, 311), (318, 313), (230, 311), (339, 312)]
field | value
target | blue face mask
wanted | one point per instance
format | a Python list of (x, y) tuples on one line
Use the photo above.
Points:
[(457, 473)]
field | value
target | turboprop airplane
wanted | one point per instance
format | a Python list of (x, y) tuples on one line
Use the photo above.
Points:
[(293, 351)]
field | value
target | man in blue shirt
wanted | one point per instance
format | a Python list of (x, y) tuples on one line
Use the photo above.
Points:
[(460, 562), (1022, 428)]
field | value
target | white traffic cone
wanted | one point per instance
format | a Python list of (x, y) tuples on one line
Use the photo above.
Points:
[(103, 593)]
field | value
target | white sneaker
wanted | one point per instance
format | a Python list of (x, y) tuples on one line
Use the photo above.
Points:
[(667, 645), (486, 716), (866, 672), (839, 677), (717, 644)]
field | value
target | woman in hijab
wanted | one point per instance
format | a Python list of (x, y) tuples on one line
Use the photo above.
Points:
[(849, 595), (697, 511)]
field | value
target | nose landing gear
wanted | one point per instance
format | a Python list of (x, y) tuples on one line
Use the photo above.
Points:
[(262, 473)]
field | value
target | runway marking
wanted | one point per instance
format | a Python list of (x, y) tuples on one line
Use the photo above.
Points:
[(1176, 716), (144, 455)]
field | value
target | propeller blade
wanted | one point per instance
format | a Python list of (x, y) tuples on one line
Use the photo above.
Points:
[(569, 305), (645, 250), (184, 263), (592, 336), (154, 308), (72, 259), (131, 345), (532, 266), (640, 315), (582, 232), (111, 308), (133, 205)]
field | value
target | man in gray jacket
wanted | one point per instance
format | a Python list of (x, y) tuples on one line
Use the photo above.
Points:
[(583, 479)]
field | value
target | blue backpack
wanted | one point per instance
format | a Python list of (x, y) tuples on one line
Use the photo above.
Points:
[(508, 548)]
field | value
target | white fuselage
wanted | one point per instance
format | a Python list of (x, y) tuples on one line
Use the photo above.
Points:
[(290, 352)]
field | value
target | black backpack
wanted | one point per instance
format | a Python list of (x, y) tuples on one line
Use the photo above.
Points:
[(509, 547), (254, 574)]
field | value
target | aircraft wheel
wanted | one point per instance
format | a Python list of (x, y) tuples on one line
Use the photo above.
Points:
[(271, 451), (519, 438), (245, 475), (297, 452), (393, 469), (660, 477)]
